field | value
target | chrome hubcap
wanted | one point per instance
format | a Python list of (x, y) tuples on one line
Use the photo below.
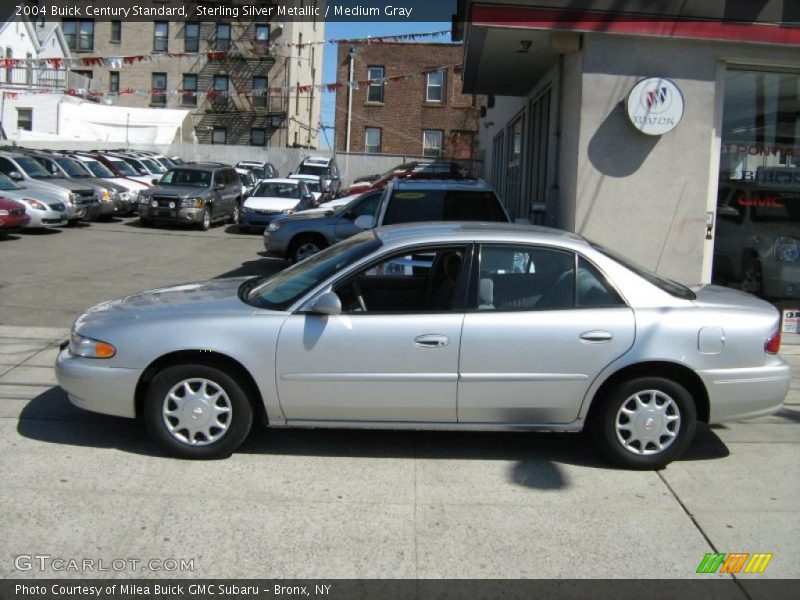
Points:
[(206, 219), (648, 422), (197, 412), (306, 250)]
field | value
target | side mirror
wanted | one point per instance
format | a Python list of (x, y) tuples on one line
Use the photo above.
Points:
[(326, 304), (143, 172), (155, 181), (365, 222), (15, 175)]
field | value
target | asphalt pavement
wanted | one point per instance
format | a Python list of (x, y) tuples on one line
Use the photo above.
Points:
[(337, 503)]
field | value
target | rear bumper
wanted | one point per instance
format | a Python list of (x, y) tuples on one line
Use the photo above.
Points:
[(736, 394), (92, 386)]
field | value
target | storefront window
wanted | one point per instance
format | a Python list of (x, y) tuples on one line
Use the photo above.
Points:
[(757, 246)]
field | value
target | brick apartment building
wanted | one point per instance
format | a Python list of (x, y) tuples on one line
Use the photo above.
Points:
[(255, 58), (425, 115)]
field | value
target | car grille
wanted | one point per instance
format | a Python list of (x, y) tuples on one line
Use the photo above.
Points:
[(17, 212), (163, 201), (57, 206), (266, 212), (83, 196)]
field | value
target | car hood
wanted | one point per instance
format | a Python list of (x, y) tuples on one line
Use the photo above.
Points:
[(206, 297), (177, 190), (716, 296), (305, 215), (269, 203)]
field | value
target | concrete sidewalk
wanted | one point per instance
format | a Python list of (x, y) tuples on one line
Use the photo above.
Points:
[(381, 504)]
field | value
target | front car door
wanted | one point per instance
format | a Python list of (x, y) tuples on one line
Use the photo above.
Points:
[(391, 356), (544, 322)]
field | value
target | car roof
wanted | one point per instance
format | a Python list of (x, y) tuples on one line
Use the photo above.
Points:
[(276, 180), (442, 184), (201, 166), (476, 230), (305, 176), (317, 160)]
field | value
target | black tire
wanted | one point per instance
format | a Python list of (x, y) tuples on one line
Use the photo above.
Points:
[(304, 246), (236, 210), (205, 219), (603, 422), (238, 426)]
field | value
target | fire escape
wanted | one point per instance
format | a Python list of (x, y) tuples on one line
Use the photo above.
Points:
[(236, 80)]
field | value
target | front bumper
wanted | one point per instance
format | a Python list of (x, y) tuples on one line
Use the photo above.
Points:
[(93, 386), (46, 218), (736, 394), (275, 244), (172, 215), (13, 223), (254, 219)]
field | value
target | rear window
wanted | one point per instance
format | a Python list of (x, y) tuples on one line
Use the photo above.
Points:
[(406, 206), (310, 169)]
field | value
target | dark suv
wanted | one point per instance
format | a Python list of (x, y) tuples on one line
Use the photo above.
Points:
[(196, 194)]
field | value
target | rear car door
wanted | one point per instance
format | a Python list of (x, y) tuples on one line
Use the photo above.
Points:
[(543, 323)]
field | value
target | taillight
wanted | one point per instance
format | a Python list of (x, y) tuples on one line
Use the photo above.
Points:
[(773, 344)]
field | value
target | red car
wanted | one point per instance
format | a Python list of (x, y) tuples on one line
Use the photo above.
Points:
[(12, 216), (434, 170)]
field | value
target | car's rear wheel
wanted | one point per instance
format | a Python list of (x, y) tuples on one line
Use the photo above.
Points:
[(644, 423), (197, 411), (305, 246)]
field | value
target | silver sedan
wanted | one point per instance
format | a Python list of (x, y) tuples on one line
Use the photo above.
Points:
[(434, 326)]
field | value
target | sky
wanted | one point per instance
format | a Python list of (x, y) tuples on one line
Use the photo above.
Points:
[(337, 30)]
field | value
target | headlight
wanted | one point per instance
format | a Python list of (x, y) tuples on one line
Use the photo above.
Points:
[(274, 226), (3, 212), (71, 197), (288, 211), (247, 209), (124, 196), (192, 203), (35, 204), (143, 199), (89, 348), (787, 249)]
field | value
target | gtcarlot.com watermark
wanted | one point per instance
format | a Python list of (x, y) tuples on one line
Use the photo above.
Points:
[(60, 564)]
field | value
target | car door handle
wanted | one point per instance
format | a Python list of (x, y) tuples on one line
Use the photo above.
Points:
[(597, 337), (431, 341)]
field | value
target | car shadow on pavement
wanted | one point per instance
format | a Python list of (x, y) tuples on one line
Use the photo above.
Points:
[(41, 231), (255, 267), (536, 458)]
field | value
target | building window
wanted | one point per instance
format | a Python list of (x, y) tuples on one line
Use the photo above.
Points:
[(189, 96), (262, 32), (220, 91), (375, 90), (219, 135), (113, 82), (191, 37), (25, 119), (160, 36), (432, 143), (434, 89), (260, 86), (258, 136), (372, 140), (79, 34), (116, 31), (223, 41), (158, 95)]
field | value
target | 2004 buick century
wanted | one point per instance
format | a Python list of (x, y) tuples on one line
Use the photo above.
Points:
[(434, 326)]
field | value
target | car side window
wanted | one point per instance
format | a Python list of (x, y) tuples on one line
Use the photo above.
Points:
[(423, 281), (367, 207), (6, 166), (525, 278), (593, 289)]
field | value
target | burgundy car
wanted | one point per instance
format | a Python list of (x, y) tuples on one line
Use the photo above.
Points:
[(12, 216)]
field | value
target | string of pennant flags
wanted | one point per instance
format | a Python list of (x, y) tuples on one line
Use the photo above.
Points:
[(211, 94), (118, 62)]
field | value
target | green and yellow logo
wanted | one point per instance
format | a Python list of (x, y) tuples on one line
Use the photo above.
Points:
[(735, 562)]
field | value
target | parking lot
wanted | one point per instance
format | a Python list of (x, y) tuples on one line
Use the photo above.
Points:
[(336, 503)]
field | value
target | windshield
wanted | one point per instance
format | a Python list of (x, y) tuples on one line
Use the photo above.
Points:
[(313, 185), (153, 166), (7, 184), (671, 287), (124, 168), (279, 291), (186, 177), (98, 169), (255, 169), (33, 168), (406, 206), (275, 189), (72, 168), (313, 170)]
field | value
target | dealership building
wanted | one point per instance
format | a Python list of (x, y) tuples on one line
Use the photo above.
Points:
[(667, 130)]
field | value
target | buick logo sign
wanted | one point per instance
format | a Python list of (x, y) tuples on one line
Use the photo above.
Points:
[(655, 106)]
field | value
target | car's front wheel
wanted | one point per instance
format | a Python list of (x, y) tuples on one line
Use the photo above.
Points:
[(205, 219), (644, 423), (197, 411), (306, 246)]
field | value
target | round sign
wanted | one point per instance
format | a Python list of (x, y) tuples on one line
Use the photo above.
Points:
[(655, 106)]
